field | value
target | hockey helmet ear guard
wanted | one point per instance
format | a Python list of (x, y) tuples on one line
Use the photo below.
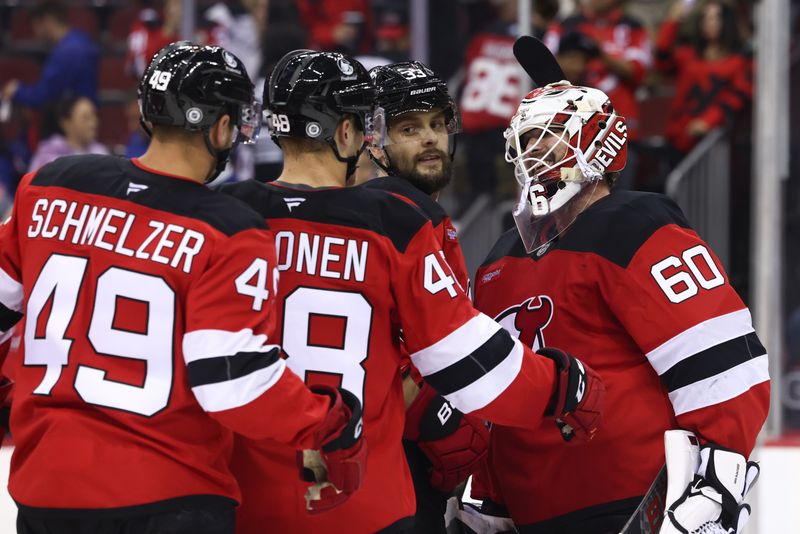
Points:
[(309, 94), (191, 87), (562, 140)]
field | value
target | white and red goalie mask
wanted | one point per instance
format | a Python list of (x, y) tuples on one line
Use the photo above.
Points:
[(562, 140)]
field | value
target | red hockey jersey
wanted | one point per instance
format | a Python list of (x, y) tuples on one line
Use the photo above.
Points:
[(711, 91), (442, 225), (148, 333), (358, 266), (633, 291), (492, 82), (621, 37)]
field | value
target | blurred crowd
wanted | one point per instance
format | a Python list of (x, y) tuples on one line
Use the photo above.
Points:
[(694, 52), (676, 69)]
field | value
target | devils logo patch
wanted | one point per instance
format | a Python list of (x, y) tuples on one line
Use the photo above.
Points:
[(528, 320)]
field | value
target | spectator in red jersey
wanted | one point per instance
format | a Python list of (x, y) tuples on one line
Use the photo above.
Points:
[(621, 64), (492, 89), (337, 25), (575, 51), (70, 128), (154, 30), (713, 74)]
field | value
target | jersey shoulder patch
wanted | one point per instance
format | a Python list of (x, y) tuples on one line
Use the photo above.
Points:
[(616, 227), (370, 209), (426, 204), (120, 178)]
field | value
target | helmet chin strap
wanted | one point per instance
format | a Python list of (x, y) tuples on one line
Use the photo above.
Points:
[(351, 161), (220, 156), (387, 167)]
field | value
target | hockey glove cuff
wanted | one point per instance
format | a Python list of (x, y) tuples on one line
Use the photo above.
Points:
[(337, 470), (454, 443), (579, 396)]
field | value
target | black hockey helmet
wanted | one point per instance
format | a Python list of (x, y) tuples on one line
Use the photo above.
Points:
[(408, 87), (309, 93), (411, 86), (191, 86)]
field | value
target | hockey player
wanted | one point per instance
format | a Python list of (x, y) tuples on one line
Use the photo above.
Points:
[(149, 323), (415, 153), (624, 280), (359, 266)]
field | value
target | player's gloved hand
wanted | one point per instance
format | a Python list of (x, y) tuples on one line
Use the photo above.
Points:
[(453, 442), (337, 469), (578, 401), (712, 502)]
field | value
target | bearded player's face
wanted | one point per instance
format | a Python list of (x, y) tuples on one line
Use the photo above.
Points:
[(419, 149)]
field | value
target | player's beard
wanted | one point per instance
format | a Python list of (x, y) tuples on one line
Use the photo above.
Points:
[(429, 182)]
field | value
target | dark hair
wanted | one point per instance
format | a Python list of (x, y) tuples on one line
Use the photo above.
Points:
[(729, 33), (55, 112), (547, 9), (49, 8)]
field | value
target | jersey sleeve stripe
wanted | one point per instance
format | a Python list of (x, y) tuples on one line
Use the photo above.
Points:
[(6, 335), (720, 388), (713, 361), (700, 337), (222, 368), (463, 341), (472, 367), (11, 292), (202, 344), (488, 387), (8, 318), (238, 391)]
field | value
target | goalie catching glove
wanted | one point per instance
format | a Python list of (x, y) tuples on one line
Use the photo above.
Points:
[(337, 469), (454, 443), (578, 399), (712, 503), (718, 481)]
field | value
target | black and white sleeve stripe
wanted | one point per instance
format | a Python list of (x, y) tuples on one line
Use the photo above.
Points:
[(473, 365), (711, 362), (11, 302), (230, 369)]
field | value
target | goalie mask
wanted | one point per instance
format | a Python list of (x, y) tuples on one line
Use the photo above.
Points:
[(562, 140)]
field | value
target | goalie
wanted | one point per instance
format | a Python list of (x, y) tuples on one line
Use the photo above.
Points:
[(621, 278)]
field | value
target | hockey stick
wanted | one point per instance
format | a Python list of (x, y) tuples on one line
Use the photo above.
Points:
[(648, 516), (682, 450), (537, 60)]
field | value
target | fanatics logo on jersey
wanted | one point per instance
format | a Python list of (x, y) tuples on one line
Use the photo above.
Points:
[(528, 320), (293, 202), (135, 188)]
